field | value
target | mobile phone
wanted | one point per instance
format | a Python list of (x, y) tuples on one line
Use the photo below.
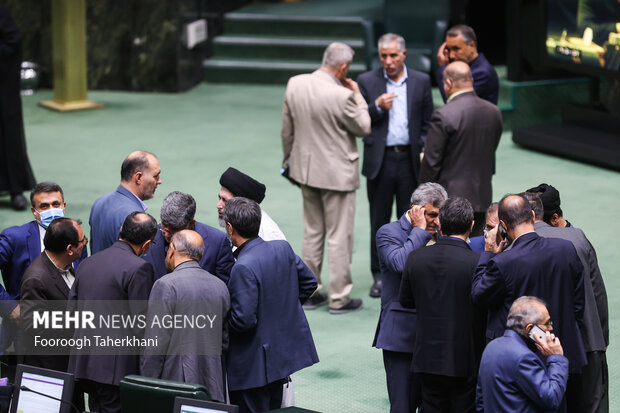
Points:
[(537, 331), (501, 234)]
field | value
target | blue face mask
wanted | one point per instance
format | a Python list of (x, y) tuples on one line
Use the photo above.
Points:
[(49, 215)]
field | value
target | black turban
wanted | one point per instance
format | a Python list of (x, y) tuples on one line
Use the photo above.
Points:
[(550, 198), (243, 185)]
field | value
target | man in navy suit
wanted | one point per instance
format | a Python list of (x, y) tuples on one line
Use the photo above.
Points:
[(139, 179), (548, 268), (518, 374), (269, 335), (400, 105), (19, 246), (396, 328), (462, 45), (177, 213)]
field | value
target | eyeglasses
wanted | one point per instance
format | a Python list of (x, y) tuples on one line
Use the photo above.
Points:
[(548, 324), (83, 240)]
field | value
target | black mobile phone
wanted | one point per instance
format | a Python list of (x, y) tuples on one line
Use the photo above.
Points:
[(501, 234)]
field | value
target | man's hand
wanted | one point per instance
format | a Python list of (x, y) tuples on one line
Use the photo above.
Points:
[(416, 214), (351, 84), (489, 242), (386, 100), (442, 55), (14, 315), (550, 346)]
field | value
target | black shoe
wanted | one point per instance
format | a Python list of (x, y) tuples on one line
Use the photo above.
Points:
[(375, 289), (354, 305), (316, 301), (19, 202)]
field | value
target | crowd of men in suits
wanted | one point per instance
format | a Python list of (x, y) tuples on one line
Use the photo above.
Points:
[(258, 335), (446, 290)]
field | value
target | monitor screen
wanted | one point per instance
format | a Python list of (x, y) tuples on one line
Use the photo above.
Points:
[(584, 36), (185, 405), (39, 390)]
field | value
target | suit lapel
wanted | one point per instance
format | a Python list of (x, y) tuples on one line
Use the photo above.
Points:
[(55, 277), (34, 241), (410, 95)]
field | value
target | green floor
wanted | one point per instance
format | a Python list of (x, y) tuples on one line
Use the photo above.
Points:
[(359, 8), (198, 134)]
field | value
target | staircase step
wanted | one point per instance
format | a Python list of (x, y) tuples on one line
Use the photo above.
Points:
[(314, 26), (262, 71), (276, 47)]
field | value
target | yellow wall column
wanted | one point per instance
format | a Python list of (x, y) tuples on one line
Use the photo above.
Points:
[(69, 57)]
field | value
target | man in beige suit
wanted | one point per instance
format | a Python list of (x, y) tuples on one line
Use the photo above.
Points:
[(323, 112)]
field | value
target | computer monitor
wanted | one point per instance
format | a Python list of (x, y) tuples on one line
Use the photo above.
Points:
[(39, 390), (185, 405)]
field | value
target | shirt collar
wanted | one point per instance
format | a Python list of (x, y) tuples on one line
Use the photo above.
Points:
[(62, 271), (452, 96), (240, 247), (402, 79)]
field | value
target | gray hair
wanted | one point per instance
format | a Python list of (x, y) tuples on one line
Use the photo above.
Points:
[(244, 215), (523, 312), (184, 245), (429, 193), (178, 210), (337, 54), (388, 38)]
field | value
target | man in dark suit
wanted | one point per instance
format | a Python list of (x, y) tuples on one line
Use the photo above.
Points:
[(400, 104), (594, 393), (462, 45), (50, 277), (46, 286), (548, 268), (140, 176), (19, 246), (269, 335), (460, 148), (518, 374), (115, 274), (192, 355), (437, 283), (177, 213), (396, 328)]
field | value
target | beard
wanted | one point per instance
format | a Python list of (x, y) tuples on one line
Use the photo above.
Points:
[(221, 221)]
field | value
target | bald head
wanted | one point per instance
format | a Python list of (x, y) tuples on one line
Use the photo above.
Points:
[(140, 174), (188, 244), (457, 77), (515, 210)]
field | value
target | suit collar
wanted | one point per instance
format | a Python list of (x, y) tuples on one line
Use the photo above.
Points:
[(248, 245), (130, 195), (540, 224), (185, 265), (124, 245), (527, 237), (54, 274), (326, 75), (457, 242), (459, 95)]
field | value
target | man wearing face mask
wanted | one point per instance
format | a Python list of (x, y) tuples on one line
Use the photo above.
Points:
[(117, 274), (19, 246), (322, 114)]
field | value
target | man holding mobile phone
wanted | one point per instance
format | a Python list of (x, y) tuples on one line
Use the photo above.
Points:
[(512, 376)]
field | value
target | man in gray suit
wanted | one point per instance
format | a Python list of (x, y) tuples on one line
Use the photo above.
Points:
[(461, 143), (193, 355), (594, 394), (322, 114)]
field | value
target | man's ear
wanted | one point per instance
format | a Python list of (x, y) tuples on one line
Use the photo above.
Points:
[(471, 228), (554, 219), (137, 178)]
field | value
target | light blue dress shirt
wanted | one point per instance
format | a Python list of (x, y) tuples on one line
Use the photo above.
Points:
[(398, 126)]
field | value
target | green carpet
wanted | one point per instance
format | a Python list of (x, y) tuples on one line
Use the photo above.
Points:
[(359, 8), (198, 134)]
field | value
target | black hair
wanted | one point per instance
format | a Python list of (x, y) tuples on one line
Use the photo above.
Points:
[(138, 228)]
